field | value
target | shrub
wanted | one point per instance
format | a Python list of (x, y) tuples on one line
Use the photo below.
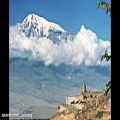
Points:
[(99, 114)]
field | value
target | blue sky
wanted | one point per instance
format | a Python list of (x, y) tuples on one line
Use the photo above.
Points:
[(70, 14)]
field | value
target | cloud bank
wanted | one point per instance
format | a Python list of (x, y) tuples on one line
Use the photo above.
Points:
[(84, 49)]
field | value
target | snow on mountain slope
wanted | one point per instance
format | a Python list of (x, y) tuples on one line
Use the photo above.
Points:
[(33, 25), (41, 40)]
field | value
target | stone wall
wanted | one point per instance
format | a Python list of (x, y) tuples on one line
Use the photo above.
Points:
[(72, 99), (88, 95)]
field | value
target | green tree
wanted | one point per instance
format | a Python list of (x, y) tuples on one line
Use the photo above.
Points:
[(106, 56), (106, 6)]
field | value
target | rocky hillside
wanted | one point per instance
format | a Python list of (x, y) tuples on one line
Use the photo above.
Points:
[(101, 111)]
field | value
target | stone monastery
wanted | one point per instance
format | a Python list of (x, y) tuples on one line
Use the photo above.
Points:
[(79, 101)]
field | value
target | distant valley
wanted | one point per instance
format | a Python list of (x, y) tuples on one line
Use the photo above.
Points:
[(34, 85)]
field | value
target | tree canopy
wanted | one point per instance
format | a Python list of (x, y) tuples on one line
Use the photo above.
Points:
[(105, 6)]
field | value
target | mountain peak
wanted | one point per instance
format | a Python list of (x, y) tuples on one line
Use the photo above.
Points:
[(34, 25), (32, 17)]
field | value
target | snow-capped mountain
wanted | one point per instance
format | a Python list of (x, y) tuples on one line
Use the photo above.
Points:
[(44, 70), (39, 27), (41, 40)]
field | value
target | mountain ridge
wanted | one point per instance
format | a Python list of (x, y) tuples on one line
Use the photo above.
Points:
[(35, 39), (37, 26), (47, 64)]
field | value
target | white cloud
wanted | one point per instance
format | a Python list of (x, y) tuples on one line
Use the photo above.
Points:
[(85, 48)]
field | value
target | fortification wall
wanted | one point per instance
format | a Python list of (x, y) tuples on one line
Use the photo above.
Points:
[(72, 99)]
